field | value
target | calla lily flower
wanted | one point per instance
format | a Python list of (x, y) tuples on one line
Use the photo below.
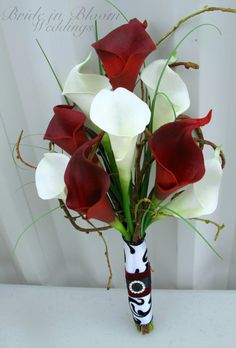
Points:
[(200, 198), (87, 185), (123, 52), (179, 159), (81, 88), (49, 176), (172, 89), (123, 116), (66, 128)]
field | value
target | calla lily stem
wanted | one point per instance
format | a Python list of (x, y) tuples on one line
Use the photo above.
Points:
[(126, 205), (107, 147), (120, 227)]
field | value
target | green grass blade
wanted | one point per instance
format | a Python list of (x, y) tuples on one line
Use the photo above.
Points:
[(26, 184), (97, 38), (32, 135), (167, 62), (52, 70), (169, 101), (33, 146), (195, 229), (122, 14), (32, 223)]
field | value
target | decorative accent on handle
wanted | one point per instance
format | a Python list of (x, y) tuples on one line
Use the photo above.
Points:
[(138, 280)]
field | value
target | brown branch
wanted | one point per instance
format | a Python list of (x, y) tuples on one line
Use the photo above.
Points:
[(51, 146), (106, 255), (142, 90), (147, 132), (18, 154), (75, 224), (146, 166), (176, 195), (90, 132), (151, 193), (138, 213), (139, 147), (108, 261), (136, 234), (183, 20), (197, 130), (88, 230), (187, 65), (214, 146), (139, 174), (218, 226), (94, 148), (203, 142)]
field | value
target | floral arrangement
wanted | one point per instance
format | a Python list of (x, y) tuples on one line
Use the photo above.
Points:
[(104, 141)]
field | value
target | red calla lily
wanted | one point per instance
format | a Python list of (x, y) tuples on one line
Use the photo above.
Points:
[(123, 52), (87, 185), (179, 159), (66, 128)]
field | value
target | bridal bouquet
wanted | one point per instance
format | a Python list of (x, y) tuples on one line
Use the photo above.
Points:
[(114, 127)]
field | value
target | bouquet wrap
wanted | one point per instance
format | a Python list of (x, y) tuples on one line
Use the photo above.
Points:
[(138, 280)]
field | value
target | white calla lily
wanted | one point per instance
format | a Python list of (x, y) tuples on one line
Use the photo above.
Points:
[(81, 88), (49, 176), (173, 97), (123, 116), (200, 198)]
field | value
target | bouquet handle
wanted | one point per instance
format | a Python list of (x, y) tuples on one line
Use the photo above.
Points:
[(138, 281)]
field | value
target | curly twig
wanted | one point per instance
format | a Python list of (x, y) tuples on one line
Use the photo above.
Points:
[(182, 21), (108, 261), (88, 230), (187, 65), (207, 221), (74, 223), (18, 154), (197, 130), (106, 255), (214, 146)]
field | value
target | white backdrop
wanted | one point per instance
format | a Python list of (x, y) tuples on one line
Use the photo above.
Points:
[(52, 253)]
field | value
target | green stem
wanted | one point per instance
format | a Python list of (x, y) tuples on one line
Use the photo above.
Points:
[(120, 227), (145, 329), (52, 70), (112, 163), (125, 186), (97, 38), (107, 147)]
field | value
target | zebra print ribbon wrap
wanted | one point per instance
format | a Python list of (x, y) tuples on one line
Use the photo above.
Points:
[(138, 280)]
